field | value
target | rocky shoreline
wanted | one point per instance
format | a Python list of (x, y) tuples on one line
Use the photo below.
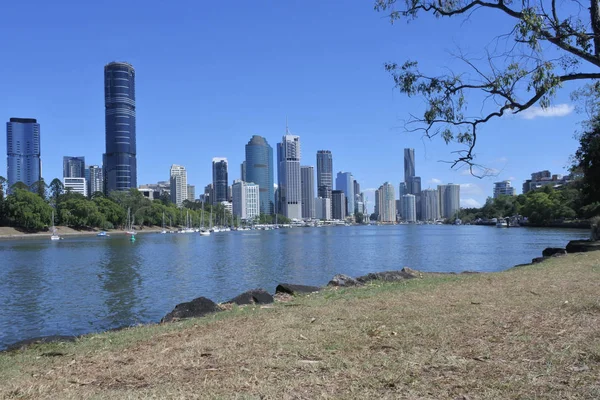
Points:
[(202, 306)]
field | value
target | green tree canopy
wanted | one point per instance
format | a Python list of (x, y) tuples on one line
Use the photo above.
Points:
[(27, 210)]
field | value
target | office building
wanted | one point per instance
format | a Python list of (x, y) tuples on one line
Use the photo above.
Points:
[(75, 185), (545, 178), (243, 171), (409, 164), (338, 205), (324, 174), (307, 181), (95, 179), (504, 188), (191, 193), (345, 182), (449, 196), (246, 200), (430, 205), (386, 199), (409, 206), (259, 169), (323, 208), (179, 185), (288, 177), (73, 167), (413, 185), (220, 180), (120, 164), (402, 190), (23, 150), (209, 194)]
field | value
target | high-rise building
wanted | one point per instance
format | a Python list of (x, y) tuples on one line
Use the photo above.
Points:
[(324, 174), (209, 194), (220, 180), (430, 205), (504, 189), (338, 204), (414, 187), (179, 184), (243, 171), (409, 164), (23, 151), (94, 178), (387, 203), (409, 206), (345, 182), (356, 190), (307, 181), (73, 167), (449, 200), (75, 185), (323, 208), (120, 163), (402, 190), (288, 177), (246, 199), (259, 169), (191, 193)]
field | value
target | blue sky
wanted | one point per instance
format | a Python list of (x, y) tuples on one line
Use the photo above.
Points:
[(209, 75)]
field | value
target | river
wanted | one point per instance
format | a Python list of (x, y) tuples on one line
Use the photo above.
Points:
[(88, 284)]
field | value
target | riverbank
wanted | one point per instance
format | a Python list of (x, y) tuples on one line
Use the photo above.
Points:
[(7, 232), (526, 332)]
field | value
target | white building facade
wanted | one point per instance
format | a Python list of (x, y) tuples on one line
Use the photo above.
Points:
[(76, 185), (178, 184), (246, 200), (323, 208), (409, 206), (288, 177)]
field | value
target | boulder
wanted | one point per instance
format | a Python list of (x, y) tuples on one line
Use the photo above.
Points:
[(582, 246), (538, 260), (39, 340), (553, 251), (254, 296), (292, 289), (389, 276), (196, 308), (343, 281)]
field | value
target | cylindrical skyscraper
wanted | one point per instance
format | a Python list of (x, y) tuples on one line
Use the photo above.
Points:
[(259, 169), (120, 165)]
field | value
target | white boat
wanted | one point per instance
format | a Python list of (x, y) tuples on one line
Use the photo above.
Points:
[(129, 228), (163, 224), (501, 223), (54, 235), (103, 234), (203, 230)]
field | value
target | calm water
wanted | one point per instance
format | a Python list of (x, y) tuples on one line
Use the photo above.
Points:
[(82, 285)]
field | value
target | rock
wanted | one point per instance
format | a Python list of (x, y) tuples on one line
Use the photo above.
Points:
[(196, 308), (295, 289), (553, 251), (467, 272), (538, 260), (39, 340), (343, 281), (582, 246), (389, 276), (254, 296)]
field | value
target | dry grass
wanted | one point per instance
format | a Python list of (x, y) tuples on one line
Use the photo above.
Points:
[(531, 332)]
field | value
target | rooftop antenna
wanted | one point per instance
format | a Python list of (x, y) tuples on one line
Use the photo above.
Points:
[(287, 131)]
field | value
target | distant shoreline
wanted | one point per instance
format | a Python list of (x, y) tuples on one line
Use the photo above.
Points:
[(9, 233)]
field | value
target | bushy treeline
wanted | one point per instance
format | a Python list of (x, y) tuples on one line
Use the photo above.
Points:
[(31, 208), (540, 206)]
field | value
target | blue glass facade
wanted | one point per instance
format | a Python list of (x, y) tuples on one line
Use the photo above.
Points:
[(73, 167), (23, 151), (259, 169), (220, 180), (120, 164), (345, 183)]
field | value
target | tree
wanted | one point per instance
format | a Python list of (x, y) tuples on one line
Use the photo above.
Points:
[(587, 159), (19, 186), (39, 188), (56, 188), (27, 210), (113, 214), (79, 212), (546, 48)]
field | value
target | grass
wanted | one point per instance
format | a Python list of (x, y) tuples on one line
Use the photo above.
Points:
[(530, 332)]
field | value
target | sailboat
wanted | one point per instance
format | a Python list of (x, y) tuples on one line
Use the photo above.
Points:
[(163, 224), (54, 235), (203, 231), (129, 228)]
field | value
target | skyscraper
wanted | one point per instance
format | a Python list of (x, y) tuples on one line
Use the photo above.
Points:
[(191, 193), (409, 208), (324, 174), (23, 151), (409, 164), (179, 184), (449, 200), (288, 176), (387, 203), (402, 190), (95, 179), (307, 180), (345, 182), (323, 208), (120, 164), (245, 204), (259, 169), (73, 167), (430, 205), (414, 187), (243, 171), (338, 205), (220, 180)]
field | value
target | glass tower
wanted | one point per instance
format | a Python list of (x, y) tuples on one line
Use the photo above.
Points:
[(120, 165), (324, 174), (73, 167), (259, 170), (220, 180), (23, 151)]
